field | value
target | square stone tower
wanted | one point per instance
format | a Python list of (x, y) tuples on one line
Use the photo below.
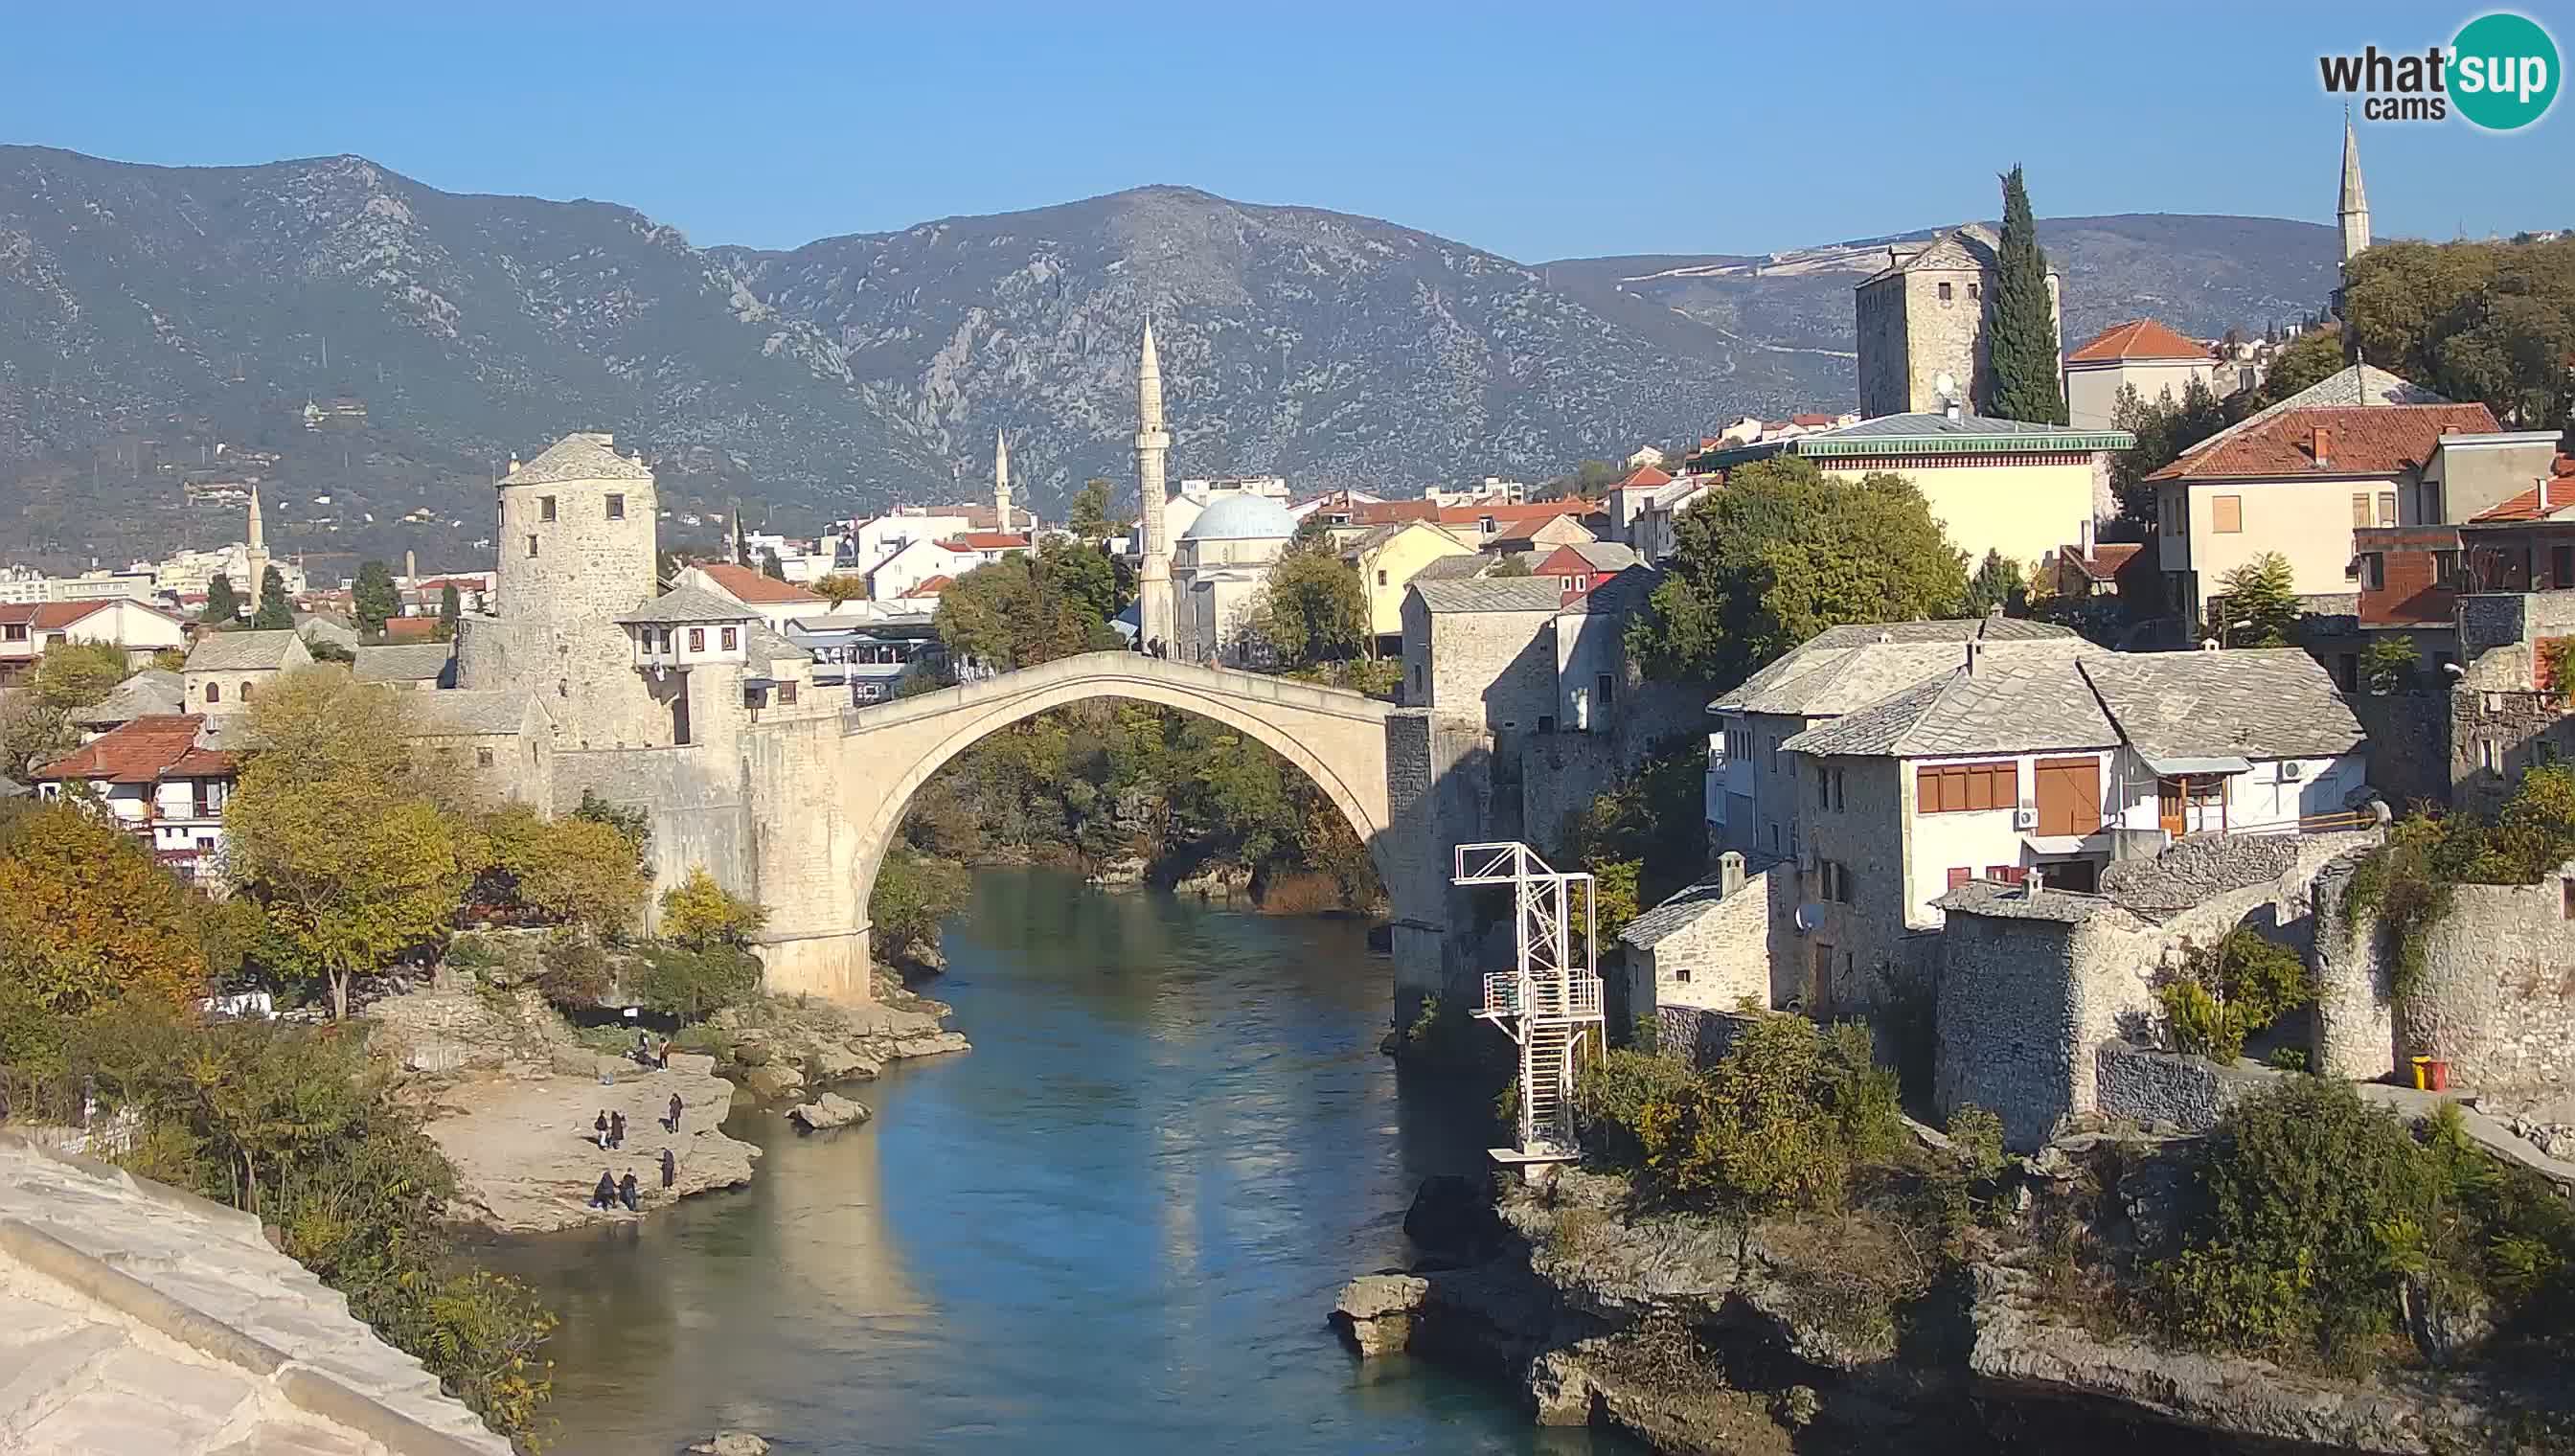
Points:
[(1922, 325), (578, 543)]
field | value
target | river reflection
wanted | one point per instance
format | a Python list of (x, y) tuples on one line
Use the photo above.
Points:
[(1113, 1227)]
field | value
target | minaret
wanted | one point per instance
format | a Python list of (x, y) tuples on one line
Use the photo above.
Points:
[(2353, 209), (1153, 441), (255, 554), (1001, 484)]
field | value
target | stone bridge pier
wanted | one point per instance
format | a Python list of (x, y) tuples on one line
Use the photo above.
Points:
[(826, 797)]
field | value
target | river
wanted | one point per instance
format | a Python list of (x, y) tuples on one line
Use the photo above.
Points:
[(1114, 1226)]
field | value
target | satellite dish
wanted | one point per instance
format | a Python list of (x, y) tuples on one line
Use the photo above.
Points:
[(1945, 385), (1808, 919)]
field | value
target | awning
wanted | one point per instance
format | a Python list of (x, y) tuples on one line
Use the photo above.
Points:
[(2186, 768)]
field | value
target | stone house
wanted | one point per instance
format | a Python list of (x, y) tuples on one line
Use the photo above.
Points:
[(1921, 323), (2299, 482), (2141, 355), (2055, 765), (498, 739), (777, 602), (410, 666), (1707, 946), (1995, 485), (155, 778), (1218, 572), (1750, 800), (227, 668), (1387, 557), (1541, 535), (1579, 567), (1473, 648)]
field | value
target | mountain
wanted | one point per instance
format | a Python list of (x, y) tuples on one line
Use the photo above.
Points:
[(147, 314)]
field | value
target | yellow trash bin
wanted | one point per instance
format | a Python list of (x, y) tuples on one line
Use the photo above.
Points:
[(2422, 1074)]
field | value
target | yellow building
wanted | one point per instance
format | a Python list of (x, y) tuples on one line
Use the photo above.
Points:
[(1387, 556), (1993, 485)]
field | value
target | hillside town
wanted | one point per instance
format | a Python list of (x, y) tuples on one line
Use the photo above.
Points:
[(2014, 782)]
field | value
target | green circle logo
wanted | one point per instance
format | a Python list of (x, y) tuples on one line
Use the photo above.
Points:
[(2503, 71)]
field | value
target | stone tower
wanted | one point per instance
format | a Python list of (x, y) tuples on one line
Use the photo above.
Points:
[(2352, 210), (1153, 442), (255, 554), (1002, 483), (577, 549)]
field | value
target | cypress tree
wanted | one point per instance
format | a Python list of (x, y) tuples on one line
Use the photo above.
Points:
[(275, 610), (223, 606), (2021, 334)]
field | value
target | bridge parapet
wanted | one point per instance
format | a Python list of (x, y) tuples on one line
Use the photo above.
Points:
[(1111, 669)]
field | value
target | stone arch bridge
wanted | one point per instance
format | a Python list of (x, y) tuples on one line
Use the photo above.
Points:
[(828, 797)]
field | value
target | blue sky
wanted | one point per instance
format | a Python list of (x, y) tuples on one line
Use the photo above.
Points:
[(1562, 131)]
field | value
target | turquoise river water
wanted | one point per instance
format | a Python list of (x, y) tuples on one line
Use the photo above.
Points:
[(1116, 1226)]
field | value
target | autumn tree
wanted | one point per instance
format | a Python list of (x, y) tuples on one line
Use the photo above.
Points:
[(79, 674), (333, 830), (698, 913), (1313, 609), (374, 597), (87, 917), (570, 870), (842, 588), (2022, 329), (1783, 552)]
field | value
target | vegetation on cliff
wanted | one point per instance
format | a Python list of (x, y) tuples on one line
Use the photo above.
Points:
[(2406, 883)]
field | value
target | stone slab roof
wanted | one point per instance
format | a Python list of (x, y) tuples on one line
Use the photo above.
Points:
[(2249, 702), (138, 1318), (1844, 668), (1619, 593), (474, 712), (2016, 903), (1679, 914), (1492, 593), (403, 663), (766, 651), (1972, 247), (2015, 704), (581, 456), (242, 652), (1454, 569), (683, 605), (152, 691)]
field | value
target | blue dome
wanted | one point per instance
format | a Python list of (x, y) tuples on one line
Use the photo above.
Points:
[(1242, 517)]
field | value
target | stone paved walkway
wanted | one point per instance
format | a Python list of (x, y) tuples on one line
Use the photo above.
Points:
[(136, 1320)]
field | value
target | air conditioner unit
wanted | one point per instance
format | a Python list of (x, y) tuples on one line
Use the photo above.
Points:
[(2291, 770), (2025, 816)]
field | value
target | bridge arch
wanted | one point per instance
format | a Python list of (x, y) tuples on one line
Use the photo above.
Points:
[(1336, 739)]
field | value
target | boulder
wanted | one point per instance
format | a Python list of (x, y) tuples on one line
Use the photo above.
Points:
[(830, 1110), (773, 1081), (834, 1062), (1565, 1391), (1376, 1311), (935, 1045), (1453, 1219), (731, 1443)]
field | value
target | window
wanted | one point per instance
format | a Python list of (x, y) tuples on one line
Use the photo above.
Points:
[(531, 545), (2226, 515), (1823, 787), (245, 691), (2561, 566), (1974, 292), (482, 757), (617, 507), (1485, 524), (1568, 584), (1838, 801), (1417, 677), (545, 507), (1836, 881), (2360, 509), (2387, 507), (214, 692), (2006, 873), (2373, 570), (1605, 688), (1547, 722), (697, 638), (2427, 502), (17, 632), (732, 637), (2445, 568), (787, 695), (2566, 893), (1381, 575), (1958, 788), (1944, 293)]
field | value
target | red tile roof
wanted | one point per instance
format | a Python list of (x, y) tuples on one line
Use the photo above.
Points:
[(150, 748), (1811, 422), (932, 585), (1646, 477), (47, 616), (2105, 562), (2362, 440), (409, 628), (749, 586), (1536, 512), (1386, 513), (988, 541), (2138, 339)]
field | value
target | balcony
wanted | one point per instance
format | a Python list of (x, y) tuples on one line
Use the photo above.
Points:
[(1572, 998)]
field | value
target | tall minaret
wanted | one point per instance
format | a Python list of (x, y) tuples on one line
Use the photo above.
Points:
[(255, 554), (2353, 209), (1001, 484), (1153, 441)]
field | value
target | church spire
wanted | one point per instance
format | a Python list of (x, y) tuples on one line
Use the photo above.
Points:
[(2352, 208), (1002, 483)]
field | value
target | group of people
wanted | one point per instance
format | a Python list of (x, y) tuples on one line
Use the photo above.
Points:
[(610, 1128), (1153, 648)]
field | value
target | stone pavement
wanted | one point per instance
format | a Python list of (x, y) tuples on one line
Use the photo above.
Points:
[(138, 1320)]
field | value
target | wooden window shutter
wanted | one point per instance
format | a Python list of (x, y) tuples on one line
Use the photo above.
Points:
[(2360, 509), (2226, 513)]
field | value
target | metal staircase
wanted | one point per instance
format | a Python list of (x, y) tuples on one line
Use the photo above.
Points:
[(1550, 1001)]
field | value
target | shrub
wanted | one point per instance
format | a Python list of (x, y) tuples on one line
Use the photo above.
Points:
[(694, 984), (698, 913), (1611, 1098), (2240, 987), (2201, 1027), (912, 894), (1780, 1124), (576, 976)]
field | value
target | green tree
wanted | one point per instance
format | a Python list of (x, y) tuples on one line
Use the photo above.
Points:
[(1030, 608), (276, 609), (1784, 552), (1087, 515), (2308, 361), (1649, 824), (2022, 329), (840, 588), (1586, 481), (223, 604), (2164, 428), (2485, 320), (33, 735), (771, 566), (375, 598), (332, 829), (741, 543), (2261, 603), (451, 611), (1313, 609), (2387, 664), (79, 674), (1997, 586), (912, 894), (323, 650), (87, 917)]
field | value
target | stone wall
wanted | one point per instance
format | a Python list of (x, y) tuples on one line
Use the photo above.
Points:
[(1499, 666), (2154, 1089), (1698, 1036), (695, 800), (2495, 735), (1719, 960), (2496, 999), (2409, 744)]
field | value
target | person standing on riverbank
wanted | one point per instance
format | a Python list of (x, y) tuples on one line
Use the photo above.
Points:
[(616, 1129), (600, 1126), (626, 1192), (675, 1106), (670, 1168), (605, 1195)]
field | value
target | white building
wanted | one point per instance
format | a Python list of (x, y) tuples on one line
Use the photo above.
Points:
[(154, 778), (1182, 508), (1218, 572)]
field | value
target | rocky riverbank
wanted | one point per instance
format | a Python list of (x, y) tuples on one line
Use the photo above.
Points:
[(1844, 1333)]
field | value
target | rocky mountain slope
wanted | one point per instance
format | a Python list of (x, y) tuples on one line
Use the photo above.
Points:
[(146, 313)]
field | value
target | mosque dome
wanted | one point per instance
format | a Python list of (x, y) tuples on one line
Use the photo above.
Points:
[(1242, 517)]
